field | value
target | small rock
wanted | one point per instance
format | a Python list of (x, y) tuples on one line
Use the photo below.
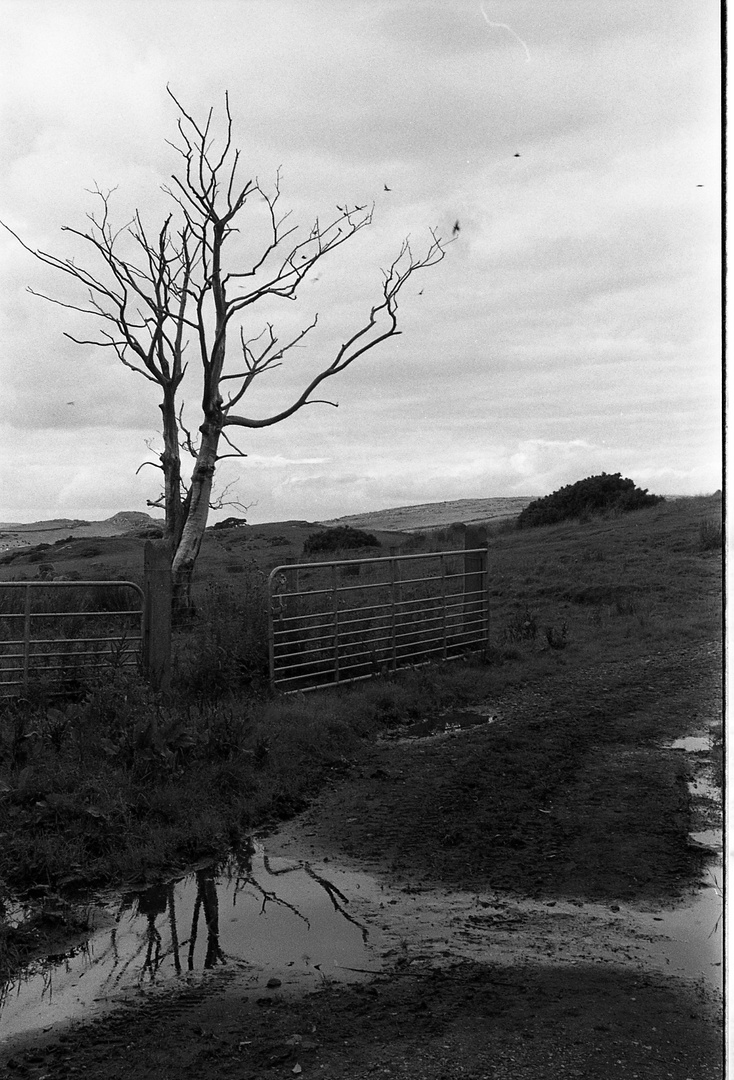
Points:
[(272, 983)]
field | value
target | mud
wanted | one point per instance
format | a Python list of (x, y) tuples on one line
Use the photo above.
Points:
[(520, 898)]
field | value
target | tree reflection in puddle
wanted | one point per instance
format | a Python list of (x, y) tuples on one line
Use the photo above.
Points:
[(272, 917)]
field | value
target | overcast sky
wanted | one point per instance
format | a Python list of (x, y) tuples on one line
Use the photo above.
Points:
[(573, 328)]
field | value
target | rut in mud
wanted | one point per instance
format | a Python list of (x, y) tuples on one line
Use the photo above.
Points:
[(570, 791)]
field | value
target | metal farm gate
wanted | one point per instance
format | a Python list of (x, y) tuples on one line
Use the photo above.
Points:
[(337, 622), (54, 634)]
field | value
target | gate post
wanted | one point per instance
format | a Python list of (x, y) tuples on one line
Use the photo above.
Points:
[(475, 578), (157, 618)]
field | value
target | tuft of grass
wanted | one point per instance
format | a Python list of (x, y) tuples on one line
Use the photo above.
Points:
[(523, 626), (710, 535), (222, 652)]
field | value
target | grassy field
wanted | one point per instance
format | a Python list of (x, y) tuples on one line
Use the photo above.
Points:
[(115, 786)]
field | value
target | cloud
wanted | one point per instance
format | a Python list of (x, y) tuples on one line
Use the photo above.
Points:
[(573, 326), (54, 474), (278, 461)]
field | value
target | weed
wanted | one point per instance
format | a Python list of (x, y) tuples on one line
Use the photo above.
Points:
[(557, 637), (626, 605), (522, 627), (710, 535), (717, 750), (224, 649)]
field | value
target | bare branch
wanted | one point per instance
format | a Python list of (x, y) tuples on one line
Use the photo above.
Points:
[(187, 442), (364, 339), (221, 501), (237, 452), (154, 464)]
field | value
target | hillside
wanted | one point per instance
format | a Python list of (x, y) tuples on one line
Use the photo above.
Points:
[(436, 515), (402, 519), (14, 534)]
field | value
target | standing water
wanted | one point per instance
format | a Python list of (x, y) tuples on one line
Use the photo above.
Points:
[(689, 940), (278, 919)]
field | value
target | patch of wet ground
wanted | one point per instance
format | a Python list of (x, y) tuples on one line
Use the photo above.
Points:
[(284, 917), (295, 916), (278, 922), (457, 984)]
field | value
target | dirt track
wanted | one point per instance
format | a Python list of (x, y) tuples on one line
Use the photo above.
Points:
[(513, 857)]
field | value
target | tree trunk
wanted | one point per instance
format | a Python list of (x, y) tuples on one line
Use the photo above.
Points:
[(171, 462), (184, 559)]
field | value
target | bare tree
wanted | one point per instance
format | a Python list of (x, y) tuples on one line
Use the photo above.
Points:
[(156, 294)]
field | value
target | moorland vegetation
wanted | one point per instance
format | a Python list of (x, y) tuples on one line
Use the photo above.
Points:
[(340, 538), (603, 494)]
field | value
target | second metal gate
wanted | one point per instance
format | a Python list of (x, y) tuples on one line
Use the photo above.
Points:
[(349, 619), (54, 634)]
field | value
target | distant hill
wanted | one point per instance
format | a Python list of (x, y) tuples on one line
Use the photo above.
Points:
[(436, 515), (15, 534), (405, 519)]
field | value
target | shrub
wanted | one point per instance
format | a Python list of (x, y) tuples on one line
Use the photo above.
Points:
[(594, 495), (87, 551), (37, 554), (230, 523), (338, 539), (149, 532)]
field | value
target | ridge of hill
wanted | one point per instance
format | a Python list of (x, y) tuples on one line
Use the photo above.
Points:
[(436, 515), (15, 534)]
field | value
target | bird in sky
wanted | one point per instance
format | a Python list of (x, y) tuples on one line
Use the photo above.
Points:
[(387, 188), (517, 155), (70, 403), (456, 229)]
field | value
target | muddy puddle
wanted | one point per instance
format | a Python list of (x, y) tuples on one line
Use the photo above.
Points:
[(689, 939), (277, 921), (446, 723), (280, 920)]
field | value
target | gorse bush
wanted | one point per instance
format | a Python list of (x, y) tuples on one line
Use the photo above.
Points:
[(594, 495), (230, 523), (338, 539)]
